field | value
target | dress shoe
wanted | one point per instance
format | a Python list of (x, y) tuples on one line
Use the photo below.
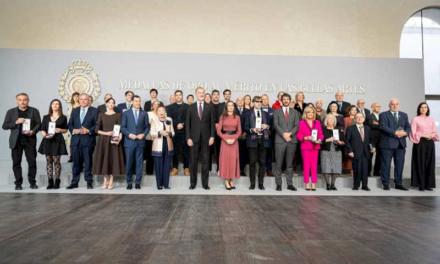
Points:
[(70, 159), (333, 188), (174, 172), (366, 188), (269, 174), (18, 188), (137, 186), (386, 187), (160, 188), (421, 189), (261, 187), (252, 187), (129, 186), (192, 187), (429, 189), (34, 186), (206, 187), (355, 188), (50, 185), (401, 187), (291, 187), (167, 187), (57, 184), (186, 172), (89, 185), (328, 187), (278, 188), (227, 186), (72, 186)]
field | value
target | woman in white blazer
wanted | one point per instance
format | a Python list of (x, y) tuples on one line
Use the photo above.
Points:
[(162, 132)]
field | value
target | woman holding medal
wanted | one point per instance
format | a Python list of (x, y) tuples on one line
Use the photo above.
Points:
[(162, 133), (108, 158), (53, 126), (310, 135), (331, 151)]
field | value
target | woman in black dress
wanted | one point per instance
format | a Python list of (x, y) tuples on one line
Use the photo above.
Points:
[(53, 126)]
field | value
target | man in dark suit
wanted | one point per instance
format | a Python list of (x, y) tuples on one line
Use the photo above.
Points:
[(153, 98), (82, 125), (285, 124), (242, 148), (357, 142), (23, 139), (373, 123), (122, 107), (134, 127), (342, 105), (257, 140), (177, 112), (200, 133), (395, 128)]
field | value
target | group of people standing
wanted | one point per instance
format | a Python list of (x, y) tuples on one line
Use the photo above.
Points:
[(116, 140)]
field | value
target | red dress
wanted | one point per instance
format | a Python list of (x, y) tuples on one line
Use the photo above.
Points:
[(229, 161)]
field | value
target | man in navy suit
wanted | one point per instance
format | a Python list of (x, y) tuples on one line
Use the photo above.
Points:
[(395, 128), (358, 148), (82, 125), (257, 140), (122, 107), (134, 127)]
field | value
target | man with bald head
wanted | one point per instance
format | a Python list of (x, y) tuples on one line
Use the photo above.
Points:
[(339, 100), (395, 128)]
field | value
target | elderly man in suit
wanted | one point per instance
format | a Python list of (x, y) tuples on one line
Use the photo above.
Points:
[(200, 133), (23, 138), (395, 128), (285, 124), (82, 125), (256, 125), (358, 148), (134, 127), (342, 105)]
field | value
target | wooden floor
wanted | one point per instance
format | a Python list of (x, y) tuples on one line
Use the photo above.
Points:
[(86, 228)]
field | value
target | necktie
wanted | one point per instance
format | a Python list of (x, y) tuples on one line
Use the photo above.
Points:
[(286, 115), (82, 115), (200, 111), (258, 114), (361, 131), (395, 117), (136, 116), (339, 106)]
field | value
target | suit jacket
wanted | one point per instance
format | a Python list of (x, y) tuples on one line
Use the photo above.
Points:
[(243, 115), (328, 134), (304, 130), (122, 107), (355, 144), (249, 124), (200, 130), (375, 130), (9, 123), (388, 127), (129, 126), (342, 109), (280, 126), (178, 114), (367, 115), (89, 122)]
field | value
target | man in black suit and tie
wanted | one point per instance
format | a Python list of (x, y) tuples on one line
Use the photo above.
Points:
[(342, 105), (24, 122), (82, 125), (360, 105), (395, 128), (134, 127), (373, 123), (357, 142), (200, 133), (122, 107), (256, 126)]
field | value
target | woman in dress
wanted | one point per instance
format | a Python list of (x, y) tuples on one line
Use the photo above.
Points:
[(162, 133), (53, 144), (310, 146), (423, 134), (229, 130), (108, 158), (331, 152)]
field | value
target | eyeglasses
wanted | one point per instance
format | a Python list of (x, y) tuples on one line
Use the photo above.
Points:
[(258, 101)]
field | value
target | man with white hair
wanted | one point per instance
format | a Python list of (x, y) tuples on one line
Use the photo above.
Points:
[(342, 105), (395, 128)]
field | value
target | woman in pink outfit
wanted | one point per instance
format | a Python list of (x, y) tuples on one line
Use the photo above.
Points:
[(229, 130), (310, 135), (423, 134)]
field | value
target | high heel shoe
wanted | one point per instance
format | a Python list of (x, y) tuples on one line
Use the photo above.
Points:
[(104, 185), (227, 186), (313, 187), (307, 186), (110, 183), (232, 186)]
